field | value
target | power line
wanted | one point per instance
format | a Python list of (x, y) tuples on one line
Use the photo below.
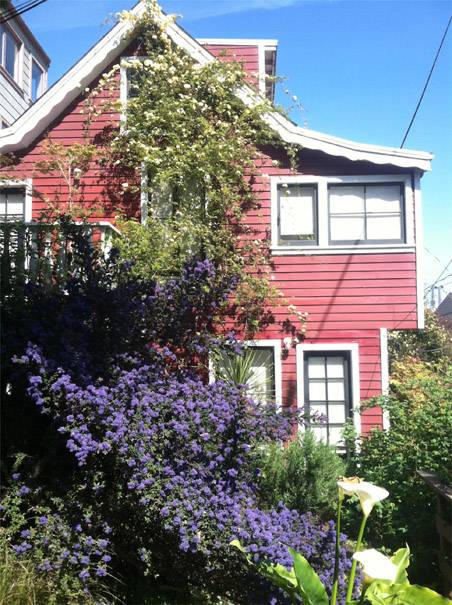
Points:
[(20, 9), (439, 276), (426, 83)]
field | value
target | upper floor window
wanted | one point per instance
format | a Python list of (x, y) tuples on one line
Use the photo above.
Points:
[(37, 80), (12, 204), (341, 213), (360, 214), (297, 215), (9, 52)]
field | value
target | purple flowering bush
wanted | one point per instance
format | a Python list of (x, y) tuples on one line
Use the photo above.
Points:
[(134, 466)]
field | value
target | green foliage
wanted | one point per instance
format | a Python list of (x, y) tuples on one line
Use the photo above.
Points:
[(302, 585), (302, 474), (432, 344), (189, 143), (418, 438), (20, 583)]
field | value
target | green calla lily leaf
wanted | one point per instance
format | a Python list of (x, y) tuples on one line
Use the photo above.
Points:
[(311, 588), (383, 593), (401, 559)]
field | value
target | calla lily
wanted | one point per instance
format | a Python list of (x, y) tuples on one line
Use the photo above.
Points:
[(376, 566), (367, 493)]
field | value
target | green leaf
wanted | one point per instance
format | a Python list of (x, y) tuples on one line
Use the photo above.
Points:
[(401, 559), (383, 593), (311, 588), (236, 544)]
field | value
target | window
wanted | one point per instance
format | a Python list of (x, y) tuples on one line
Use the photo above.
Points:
[(3, 123), (163, 200), (260, 370), (366, 213), (328, 386), (12, 204), (336, 214), (327, 393), (9, 52), (37, 81), (297, 215)]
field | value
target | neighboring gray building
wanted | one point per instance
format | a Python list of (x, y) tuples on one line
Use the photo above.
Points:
[(23, 67)]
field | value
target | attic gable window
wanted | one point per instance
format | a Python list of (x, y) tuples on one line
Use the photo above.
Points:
[(297, 215), (366, 213)]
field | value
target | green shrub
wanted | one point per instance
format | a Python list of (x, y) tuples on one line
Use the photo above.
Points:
[(418, 438), (302, 474)]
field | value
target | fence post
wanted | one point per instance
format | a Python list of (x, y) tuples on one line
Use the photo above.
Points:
[(443, 527)]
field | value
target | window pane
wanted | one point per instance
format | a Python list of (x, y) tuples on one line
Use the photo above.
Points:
[(335, 437), (320, 432), (319, 408), (10, 56), (296, 213), (384, 227), (262, 382), (335, 367), (336, 391), (316, 367), (344, 228), (383, 198), (162, 201), (36, 81), (336, 413), (317, 391), (12, 205), (347, 199)]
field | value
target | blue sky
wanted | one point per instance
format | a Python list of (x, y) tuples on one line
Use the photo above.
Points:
[(358, 68)]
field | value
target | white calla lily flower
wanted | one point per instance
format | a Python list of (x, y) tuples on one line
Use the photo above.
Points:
[(368, 493), (376, 566)]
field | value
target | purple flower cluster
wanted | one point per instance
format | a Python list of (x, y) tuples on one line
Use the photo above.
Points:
[(80, 546), (181, 450)]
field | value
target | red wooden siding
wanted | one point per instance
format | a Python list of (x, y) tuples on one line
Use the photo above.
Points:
[(247, 55), (348, 297)]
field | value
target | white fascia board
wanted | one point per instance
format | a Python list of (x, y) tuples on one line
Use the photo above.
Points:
[(57, 98), (238, 42), (376, 154)]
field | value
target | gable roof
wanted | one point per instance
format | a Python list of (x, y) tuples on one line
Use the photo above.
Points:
[(39, 116)]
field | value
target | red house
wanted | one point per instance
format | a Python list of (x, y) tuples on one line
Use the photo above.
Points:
[(346, 231)]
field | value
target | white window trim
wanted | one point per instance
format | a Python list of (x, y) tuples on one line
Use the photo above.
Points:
[(27, 184), (18, 75), (419, 234), (324, 247), (277, 350), (384, 369), (350, 347), (43, 86)]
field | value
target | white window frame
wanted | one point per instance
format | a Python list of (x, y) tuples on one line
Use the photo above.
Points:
[(43, 84), (384, 371), (18, 68), (322, 183), (277, 356), (27, 185), (348, 347)]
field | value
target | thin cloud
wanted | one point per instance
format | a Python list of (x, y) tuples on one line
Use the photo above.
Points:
[(193, 10), (60, 15)]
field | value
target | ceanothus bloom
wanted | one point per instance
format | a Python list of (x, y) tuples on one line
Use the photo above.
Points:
[(368, 493)]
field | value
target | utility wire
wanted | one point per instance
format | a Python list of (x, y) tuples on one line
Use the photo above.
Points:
[(426, 83), (15, 11), (439, 276)]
